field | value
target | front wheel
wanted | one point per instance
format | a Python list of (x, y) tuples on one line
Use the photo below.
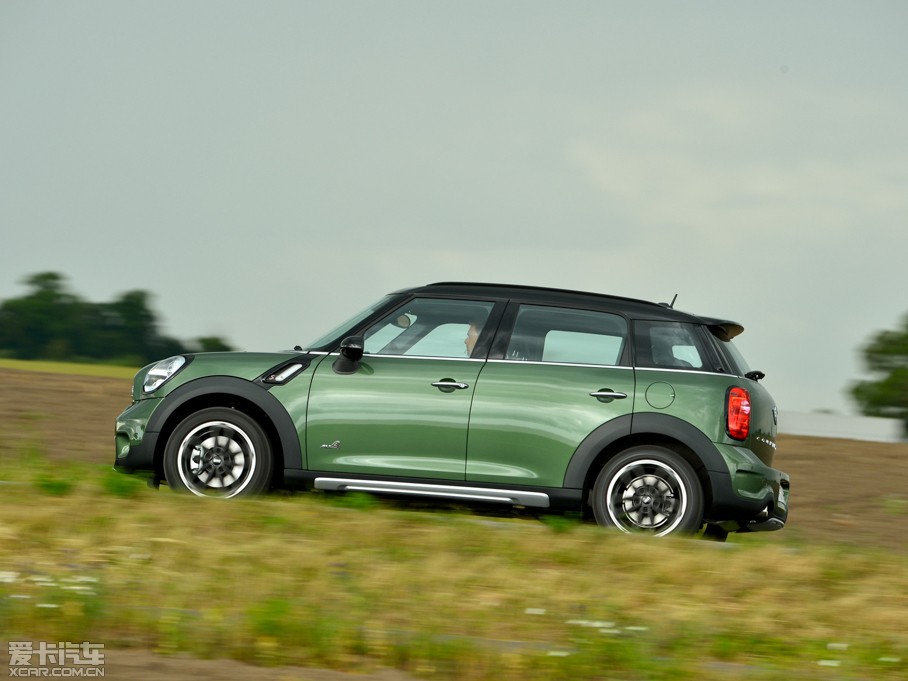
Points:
[(650, 490), (218, 452)]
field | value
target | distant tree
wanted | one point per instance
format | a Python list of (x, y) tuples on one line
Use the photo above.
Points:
[(49, 322), (886, 357), (48, 284), (33, 326), (132, 324)]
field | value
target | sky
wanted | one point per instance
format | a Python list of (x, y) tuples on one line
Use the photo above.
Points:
[(266, 169)]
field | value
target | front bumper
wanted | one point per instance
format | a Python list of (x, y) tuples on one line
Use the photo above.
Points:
[(135, 446)]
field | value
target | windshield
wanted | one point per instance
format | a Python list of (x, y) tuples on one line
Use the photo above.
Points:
[(334, 335)]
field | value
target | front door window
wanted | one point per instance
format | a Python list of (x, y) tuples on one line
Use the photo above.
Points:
[(430, 327)]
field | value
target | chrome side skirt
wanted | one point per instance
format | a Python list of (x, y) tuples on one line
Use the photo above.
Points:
[(502, 496)]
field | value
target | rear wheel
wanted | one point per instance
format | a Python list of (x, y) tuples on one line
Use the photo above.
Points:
[(650, 490), (218, 452)]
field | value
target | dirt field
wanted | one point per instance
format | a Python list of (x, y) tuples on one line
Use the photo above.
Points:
[(842, 492)]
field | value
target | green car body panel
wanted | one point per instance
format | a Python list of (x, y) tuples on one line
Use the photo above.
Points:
[(491, 426)]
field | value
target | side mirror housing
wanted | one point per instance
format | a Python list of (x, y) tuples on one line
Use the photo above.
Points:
[(351, 351)]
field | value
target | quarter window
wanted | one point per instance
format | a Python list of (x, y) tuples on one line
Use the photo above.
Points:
[(667, 345), (555, 334)]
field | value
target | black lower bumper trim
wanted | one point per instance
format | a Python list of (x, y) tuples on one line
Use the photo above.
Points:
[(768, 525)]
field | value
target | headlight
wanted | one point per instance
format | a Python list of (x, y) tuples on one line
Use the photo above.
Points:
[(162, 372)]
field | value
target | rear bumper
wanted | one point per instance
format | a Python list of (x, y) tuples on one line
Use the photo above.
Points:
[(750, 496)]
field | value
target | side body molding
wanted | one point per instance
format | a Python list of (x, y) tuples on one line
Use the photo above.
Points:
[(237, 387), (640, 425)]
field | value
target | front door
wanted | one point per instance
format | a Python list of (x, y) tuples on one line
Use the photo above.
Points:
[(405, 411)]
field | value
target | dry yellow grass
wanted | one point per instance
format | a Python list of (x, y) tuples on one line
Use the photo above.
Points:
[(307, 579)]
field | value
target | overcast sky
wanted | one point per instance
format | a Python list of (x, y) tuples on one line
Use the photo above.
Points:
[(267, 168)]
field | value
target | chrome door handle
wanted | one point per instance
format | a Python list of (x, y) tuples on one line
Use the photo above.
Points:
[(607, 395), (449, 385)]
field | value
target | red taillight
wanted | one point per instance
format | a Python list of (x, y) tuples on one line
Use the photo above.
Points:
[(737, 410)]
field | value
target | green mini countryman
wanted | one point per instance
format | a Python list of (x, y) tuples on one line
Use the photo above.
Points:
[(645, 418)]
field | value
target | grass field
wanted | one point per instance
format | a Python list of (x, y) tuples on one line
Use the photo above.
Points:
[(354, 584)]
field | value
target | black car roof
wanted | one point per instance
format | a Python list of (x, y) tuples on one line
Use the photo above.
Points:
[(632, 307)]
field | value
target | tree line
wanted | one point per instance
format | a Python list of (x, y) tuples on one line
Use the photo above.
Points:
[(49, 322)]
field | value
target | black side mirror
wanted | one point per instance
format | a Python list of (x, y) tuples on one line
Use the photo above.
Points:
[(351, 351)]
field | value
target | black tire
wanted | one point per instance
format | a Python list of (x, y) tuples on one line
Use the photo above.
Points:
[(649, 490), (218, 452)]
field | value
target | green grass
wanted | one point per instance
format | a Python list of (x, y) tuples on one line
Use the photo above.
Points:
[(104, 370), (356, 584)]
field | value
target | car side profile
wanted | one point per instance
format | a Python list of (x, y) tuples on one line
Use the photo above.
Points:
[(643, 417)]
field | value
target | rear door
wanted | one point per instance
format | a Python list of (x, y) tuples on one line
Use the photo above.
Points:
[(560, 375)]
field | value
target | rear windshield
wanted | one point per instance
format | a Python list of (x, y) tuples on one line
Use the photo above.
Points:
[(733, 356)]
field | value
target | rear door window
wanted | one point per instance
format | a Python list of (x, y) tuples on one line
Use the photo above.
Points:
[(566, 336)]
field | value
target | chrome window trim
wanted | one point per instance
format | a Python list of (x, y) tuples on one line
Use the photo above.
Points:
[(560, 364), (450, 359), (675, 370)]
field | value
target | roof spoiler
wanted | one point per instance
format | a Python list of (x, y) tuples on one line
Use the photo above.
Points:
[(723, 329)]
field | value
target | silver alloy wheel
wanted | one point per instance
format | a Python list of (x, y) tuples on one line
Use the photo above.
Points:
[(216, 459), (647, 495)]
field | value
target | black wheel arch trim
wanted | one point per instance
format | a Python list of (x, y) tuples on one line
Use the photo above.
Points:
[(662, 425), (690, 436), (592, 446), (292, 456)]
